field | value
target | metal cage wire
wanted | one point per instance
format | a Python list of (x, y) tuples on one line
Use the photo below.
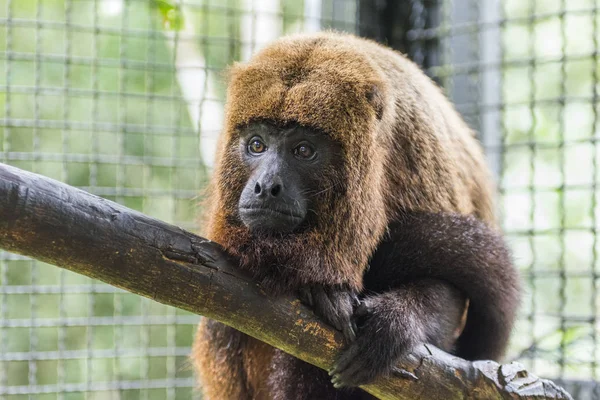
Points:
[(117, 96)]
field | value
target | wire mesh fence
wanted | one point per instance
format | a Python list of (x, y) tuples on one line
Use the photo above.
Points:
[(115, 97), (124, 98), (525, 75)]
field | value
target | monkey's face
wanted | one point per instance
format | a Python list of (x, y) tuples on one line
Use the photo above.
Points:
[(287, 168)]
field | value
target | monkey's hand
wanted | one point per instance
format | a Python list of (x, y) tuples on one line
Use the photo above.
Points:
[(382, 339), (335, 304)]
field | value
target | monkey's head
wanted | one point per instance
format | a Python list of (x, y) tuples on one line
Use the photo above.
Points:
[(299, 180)]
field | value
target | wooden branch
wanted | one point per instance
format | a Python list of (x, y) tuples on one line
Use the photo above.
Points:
[(62, 225)]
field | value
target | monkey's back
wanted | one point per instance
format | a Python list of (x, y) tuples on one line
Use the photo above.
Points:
[(433, 157)]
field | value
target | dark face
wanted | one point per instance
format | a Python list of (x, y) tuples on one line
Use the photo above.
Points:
[(287, 167)]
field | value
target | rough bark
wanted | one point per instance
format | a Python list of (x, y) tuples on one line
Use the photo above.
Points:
[(62, 225)]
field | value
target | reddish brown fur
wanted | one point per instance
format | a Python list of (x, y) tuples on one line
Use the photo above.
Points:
[(404, 146)]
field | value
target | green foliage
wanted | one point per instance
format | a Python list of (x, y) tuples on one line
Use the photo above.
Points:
[(172, 16)]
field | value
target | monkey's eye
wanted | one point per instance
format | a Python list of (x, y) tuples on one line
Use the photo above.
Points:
[(304, 151), (256, 146)]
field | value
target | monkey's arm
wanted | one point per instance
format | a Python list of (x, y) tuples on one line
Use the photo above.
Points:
[(459, 252)]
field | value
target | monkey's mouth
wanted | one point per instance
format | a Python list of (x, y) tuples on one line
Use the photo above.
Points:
[(270, 211), (269, 219)]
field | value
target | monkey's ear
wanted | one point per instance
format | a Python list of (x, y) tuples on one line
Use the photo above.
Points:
[(375, 98)]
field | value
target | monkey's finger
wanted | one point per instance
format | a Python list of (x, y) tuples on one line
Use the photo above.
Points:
[(349, 332), (325, 308), (345, 359), (340, 381), (305, 296), (364, 309), (342, 301), (335, 379), (337, 383), (355, 300), (354, 375), (347, 380), (347, 321), (402, 373)]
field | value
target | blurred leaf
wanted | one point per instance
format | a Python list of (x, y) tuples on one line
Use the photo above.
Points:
[(171, 13), (570, 335), (574, 333)]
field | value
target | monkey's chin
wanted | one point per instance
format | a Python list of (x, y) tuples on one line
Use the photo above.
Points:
[(267, 220)]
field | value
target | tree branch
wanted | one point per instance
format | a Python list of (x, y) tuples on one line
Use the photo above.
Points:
[(62, 225)]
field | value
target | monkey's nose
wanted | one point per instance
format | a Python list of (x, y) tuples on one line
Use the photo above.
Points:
[(268, 188)]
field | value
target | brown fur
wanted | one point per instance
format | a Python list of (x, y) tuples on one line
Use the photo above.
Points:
[(404, 146)]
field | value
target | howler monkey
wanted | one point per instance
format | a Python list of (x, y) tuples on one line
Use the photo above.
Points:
[(345, 176)]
